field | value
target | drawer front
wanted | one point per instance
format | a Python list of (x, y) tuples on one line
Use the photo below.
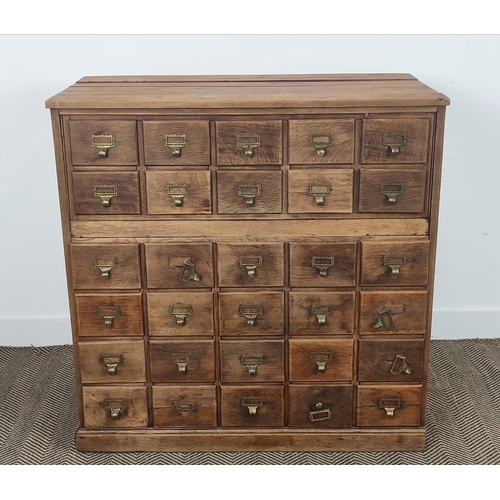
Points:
[(390, 263), (187, 265), (392, 191), (182, 406), (249, 265), (394, 140), (389, 406), (106, 193), (320, 191), (249, 142), (109, 315), (105, 266), (254, 361), (391, 360), (115, 406), (321, 313), (321, 141), (321, 360), (180, 313), (176, 142), (251, 313), (182, 361), (393, 313), (179, 192), (252, 406), (112, 362), (322, 265), (254, 192), (320, 406), (103, 143)]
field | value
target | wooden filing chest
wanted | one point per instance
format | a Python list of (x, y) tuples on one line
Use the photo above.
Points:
[(250, 259)]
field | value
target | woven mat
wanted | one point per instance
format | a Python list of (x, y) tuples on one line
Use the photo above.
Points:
[(38, 417)]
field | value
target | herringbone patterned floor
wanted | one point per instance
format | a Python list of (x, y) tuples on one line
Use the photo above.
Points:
[(38, 416)]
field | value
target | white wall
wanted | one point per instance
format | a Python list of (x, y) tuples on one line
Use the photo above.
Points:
[(33, 299)]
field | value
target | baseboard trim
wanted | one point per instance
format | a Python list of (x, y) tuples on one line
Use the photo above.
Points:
[(465, 324)]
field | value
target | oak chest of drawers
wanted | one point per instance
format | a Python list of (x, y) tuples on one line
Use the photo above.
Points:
[(250, 260)]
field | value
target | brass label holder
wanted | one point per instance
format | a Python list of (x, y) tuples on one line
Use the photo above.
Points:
[(394, 141), (251, 361), (321, 359), (251, 263), (321, 312), (392, 190), (249, 192), (384, 320), (252, 403), (175, 142), (188, 272), (182, 360), (108, 313), (320, 142), (111, 361), (319, 191), (105, 264), (184, 407), (320, 414), (105, 192), (102, 142), (114, 406), (322, 263), (251, 312), (180, 312), (248, 143), (399, 365), (389, 405), (178, 192), (394, 262)]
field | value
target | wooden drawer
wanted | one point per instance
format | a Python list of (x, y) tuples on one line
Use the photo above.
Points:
[(180, 313), (389, 405), (409, 138), (103, 143), (252, 361), (393, 313), (112, 362), (179, 192), (115, 406), (392, 360), (320, 406), (251, 265), (182, 361), (249, 142), (322, 264), (321, 313), (321, 360), (249, 192), (389, 263), (182, 406), (174, 265), (252, 406), (106, 193), (251, 313), (105, 266), (321, 141), (109, 315), (392, 191), (176, 142)]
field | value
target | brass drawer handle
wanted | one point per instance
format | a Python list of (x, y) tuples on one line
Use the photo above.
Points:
[(105, 264), (319, 191), (252, 403), (182, 360), (320, 414), (188, 272), (105, 192), (115, 406), (251, 312), (251, 362), (108, 313), (248, 143), (249, 192), (180, 312), (321, 312), (394, 141), (322, 263), (111, 361), (184, 407), (102, 142), (384, 320), (399, 365), (175, 142), (389, 405), (394, 262), (178, 192), (321, 359), (320, 142), (392, 190), (251, 263)]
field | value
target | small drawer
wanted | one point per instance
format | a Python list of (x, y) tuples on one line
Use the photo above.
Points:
[(398, 360), (179, 192), (389, 405), (325, 142), (321, 313), (254, 192), (112, 362), (252, 361), (249, 265), (106, 193), (390, 263), (393, 313), (321, 360), (392, 191), (105, 266), (179, 313), (394, 140), (179, 265), (320, 191), (249, 142), (176, 142), (251, 313), (182, 361), (320, 406), (115, 406), (322, 265), (252, 406), (103, 143), (105, 315), (181, 406)]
